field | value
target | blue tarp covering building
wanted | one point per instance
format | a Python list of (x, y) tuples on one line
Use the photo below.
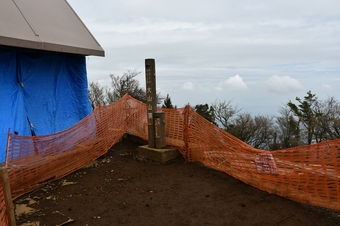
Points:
[(41, 92), (43, 79)]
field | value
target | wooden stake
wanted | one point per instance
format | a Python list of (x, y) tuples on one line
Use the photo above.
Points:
[(7, 196)]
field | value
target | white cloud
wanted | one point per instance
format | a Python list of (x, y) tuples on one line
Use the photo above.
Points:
[(282, 84), (234, 82), (188, 86)]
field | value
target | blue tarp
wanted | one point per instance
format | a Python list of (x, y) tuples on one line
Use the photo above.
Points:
[(43, 89)]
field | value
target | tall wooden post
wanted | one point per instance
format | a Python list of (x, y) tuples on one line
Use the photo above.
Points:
[(151, 104), (156, 150)]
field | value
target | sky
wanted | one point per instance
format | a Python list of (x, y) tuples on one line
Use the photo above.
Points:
[(257, 54)]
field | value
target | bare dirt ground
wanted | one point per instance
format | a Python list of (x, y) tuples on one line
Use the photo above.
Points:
[(117, 189)]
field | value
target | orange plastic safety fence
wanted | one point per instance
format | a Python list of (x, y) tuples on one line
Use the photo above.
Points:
[(33, 161), (308, 174)]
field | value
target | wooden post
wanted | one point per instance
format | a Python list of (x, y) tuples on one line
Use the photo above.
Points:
[(8, 196), (159, 130), (151, 104)]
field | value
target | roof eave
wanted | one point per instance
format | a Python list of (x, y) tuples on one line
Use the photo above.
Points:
[(7, 41)]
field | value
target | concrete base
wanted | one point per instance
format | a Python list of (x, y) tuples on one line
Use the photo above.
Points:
[(163, 156)]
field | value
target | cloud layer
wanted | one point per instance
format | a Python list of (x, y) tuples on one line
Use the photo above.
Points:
[(260, 54), (283, 84)]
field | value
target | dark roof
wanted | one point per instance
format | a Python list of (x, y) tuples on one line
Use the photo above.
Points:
[(50, 25)]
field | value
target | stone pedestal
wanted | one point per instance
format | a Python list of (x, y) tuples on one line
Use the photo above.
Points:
[(163, 155)]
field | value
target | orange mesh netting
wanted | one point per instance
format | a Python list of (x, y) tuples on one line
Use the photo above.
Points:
[(308, 174)]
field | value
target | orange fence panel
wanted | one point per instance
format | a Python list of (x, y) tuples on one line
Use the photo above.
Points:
[(32, 161), (308, 174)]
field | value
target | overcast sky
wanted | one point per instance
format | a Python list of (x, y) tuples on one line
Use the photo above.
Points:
[(259, 54)]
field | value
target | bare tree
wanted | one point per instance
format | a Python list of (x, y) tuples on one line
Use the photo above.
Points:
[(223, 112), (328, 126), (264, 132), (258, 132), (96, 94), (242, 127), (127, 83), (110, 98)]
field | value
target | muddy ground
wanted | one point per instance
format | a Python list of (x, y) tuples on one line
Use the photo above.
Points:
[(118, 189)]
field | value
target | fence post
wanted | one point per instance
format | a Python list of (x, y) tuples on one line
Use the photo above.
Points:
[(7, 196)]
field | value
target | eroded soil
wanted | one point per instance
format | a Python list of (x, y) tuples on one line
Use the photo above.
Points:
[(117, 189)]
